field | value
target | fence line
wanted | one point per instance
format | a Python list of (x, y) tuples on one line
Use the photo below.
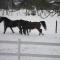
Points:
[(32, 43), (10, 54), (31, 55), (19, 54)]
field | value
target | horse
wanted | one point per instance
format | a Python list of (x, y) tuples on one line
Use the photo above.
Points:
[(23, 26), (37, 25), (9, 23), (32, 25), (16, 23)]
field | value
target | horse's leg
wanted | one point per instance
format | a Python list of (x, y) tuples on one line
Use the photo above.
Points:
[(5, 29), (20, 31), (27, 32), (20, 28), (11, 29), (40, 31), (24, 31)]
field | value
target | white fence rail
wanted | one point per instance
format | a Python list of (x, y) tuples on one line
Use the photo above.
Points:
[(19, 54)]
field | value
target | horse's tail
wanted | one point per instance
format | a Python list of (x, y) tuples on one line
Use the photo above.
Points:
[(43, 23)]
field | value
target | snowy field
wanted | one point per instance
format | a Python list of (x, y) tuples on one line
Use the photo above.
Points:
[(50, 42), (45, 49)]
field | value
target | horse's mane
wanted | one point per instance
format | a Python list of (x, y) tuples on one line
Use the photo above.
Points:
[(44, 24), (6, 18)]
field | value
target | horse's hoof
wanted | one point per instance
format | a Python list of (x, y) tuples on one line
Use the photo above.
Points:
[(42, 34), (24, 34), (13, 32), (3, 32), (28, 34)]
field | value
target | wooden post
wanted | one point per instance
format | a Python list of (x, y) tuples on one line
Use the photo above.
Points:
[(56, 27), (18, 49)]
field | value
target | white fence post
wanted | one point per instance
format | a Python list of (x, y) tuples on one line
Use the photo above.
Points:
[(19, 49)]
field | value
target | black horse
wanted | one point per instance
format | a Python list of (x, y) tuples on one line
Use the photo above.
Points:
[(9, 23), (23, 26)]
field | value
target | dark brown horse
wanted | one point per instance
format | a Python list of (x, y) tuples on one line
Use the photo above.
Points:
[(37, 25)]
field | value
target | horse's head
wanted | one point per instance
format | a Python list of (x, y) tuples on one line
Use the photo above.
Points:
[(2, 19), (44, 24)]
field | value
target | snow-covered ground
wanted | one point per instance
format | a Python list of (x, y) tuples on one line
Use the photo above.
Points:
[(49, 37), (30, 48), (50, 21)]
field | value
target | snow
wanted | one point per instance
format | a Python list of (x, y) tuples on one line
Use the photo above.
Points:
[(50, 21), (30, 48), (49, 37)]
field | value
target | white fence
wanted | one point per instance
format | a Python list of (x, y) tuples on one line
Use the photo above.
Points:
[(19, 54)]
